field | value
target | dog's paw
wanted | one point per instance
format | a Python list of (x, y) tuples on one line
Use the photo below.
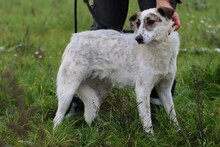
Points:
[(178, 129), (149, 130)]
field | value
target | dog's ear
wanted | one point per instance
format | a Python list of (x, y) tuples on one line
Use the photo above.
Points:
[(134, 21), (166, 12)]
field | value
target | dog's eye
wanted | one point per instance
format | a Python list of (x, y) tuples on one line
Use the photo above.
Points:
[(150, 21), (138, 23)]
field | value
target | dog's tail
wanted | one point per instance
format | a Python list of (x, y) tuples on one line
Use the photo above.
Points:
[(65, 92), (67, 85)]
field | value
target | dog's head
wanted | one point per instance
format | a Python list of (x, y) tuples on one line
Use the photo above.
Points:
[(152, 24)]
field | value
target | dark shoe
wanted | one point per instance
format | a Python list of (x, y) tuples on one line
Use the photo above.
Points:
[(76, 107)]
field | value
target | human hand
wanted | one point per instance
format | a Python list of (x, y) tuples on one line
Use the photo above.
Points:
[(175, 18)]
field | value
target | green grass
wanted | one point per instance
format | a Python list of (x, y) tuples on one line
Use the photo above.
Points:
[(33, 37)]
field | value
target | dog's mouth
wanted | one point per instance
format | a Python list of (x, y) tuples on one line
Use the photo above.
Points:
[(140, 39)]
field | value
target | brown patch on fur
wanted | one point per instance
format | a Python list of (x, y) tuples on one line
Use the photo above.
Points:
[(134, 21), (150, 21), (166, 12)]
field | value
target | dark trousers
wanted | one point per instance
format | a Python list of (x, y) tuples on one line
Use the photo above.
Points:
[(111, 14)]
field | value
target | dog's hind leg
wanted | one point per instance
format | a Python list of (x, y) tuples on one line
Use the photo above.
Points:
[(91, 102), (164, 92), (102, 87)]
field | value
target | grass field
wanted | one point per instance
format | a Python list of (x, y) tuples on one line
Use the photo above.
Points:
[(33, 35)]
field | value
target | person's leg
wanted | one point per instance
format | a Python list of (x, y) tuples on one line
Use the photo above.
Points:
[(110, 14), (146, 4)]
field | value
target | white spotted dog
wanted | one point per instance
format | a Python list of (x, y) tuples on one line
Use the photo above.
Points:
[(96, 60)]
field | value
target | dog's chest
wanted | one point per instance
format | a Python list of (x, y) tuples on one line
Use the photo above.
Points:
[(154, 60)]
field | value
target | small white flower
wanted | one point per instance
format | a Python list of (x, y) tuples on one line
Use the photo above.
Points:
[(2, 48), (37, 53), (202, 21), (209, 26), (217, 49)]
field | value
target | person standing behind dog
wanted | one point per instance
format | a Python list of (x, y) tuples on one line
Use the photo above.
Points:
[(111, 14)]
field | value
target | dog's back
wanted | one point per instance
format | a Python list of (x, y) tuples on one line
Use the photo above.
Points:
[(115, 55), (104, 53)]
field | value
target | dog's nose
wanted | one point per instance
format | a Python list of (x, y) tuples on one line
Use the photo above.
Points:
[(139, 39)]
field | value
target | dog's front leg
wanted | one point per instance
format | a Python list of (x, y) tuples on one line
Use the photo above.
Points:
[(143, 100)]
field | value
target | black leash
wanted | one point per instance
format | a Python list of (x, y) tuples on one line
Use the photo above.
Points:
[(89, 7), (75, 16)]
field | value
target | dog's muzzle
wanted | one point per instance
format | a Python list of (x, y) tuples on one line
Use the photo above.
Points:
[(140, 39)]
